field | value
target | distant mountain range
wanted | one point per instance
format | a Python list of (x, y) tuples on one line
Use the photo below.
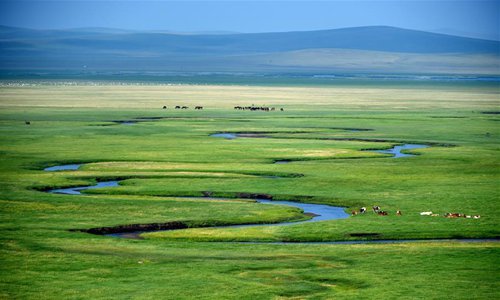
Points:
[(377, 49)]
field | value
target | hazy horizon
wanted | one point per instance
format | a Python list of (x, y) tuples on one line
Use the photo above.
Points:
[(476, 19), (223, 32)]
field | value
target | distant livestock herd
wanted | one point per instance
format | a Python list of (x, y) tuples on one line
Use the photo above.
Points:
[(184, 107), (251, 108), (376, 209)]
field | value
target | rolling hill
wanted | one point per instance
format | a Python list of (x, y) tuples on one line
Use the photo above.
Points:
[(361, 49)]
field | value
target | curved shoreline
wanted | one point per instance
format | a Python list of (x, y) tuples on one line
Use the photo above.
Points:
[(76, 190), (326, 212), (68, 167), (395, 151), (319, 212)]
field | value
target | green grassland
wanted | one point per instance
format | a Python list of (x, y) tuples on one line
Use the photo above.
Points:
[(163, 160)]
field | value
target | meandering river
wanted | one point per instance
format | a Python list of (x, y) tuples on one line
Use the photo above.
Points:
[(319, 212), (394, 151)]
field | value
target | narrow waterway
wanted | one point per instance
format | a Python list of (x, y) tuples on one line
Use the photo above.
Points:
[(63, 168), (394, 151), (319, 212), (77, 190)]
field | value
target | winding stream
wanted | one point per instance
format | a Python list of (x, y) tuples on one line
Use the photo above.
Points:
[(63, 168), (394, 151), (76, 190), (319, 212)]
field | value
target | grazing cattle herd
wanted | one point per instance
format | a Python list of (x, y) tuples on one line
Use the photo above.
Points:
[(376, 209), (254, 108), (459, 215), (251, 108)]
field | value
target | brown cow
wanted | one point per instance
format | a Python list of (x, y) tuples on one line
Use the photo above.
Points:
[(453, 215)]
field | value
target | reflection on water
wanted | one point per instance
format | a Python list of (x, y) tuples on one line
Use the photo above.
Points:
[(396, 151), (229, 136), (63, 167), (76, 190)]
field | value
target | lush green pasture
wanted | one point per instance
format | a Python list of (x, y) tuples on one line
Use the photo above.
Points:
[(163, 160)]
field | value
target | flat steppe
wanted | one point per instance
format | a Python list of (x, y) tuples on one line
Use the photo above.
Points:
[(167, 157)]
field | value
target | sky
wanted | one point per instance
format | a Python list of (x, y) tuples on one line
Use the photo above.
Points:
[(460, 17)]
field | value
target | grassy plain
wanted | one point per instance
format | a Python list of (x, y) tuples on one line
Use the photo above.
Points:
[(174, 156)]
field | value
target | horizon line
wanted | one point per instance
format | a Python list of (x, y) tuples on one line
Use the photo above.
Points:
[(229, 32)]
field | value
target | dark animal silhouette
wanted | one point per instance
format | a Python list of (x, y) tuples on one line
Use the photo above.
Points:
[(199, 107), (164, 107), (177, 107), (281, 109), (253, 108), (184, 107), (27, 122)]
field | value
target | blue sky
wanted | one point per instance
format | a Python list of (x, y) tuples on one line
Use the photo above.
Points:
[(467, 18)]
